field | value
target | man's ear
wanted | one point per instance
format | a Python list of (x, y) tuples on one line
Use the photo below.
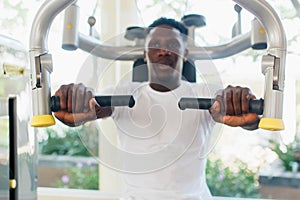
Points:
[(185, 54), (145, 58)]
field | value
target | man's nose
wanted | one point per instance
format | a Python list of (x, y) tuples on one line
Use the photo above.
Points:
[(164, 52)]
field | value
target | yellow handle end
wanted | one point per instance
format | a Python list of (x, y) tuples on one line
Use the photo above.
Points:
[(12, 184), (42, 121), (272, 124)]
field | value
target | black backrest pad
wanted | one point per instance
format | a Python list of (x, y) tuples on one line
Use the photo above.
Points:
[(140, 71)]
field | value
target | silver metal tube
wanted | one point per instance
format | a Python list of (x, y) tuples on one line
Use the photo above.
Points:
[(268, 17), (234, 46), (258, 35), (70, 29), (38, 48), (41, 95), (274, 74), (267, 70), (95, 47), (42, 23)]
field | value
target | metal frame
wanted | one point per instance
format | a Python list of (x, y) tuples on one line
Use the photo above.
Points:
[(273, 64)]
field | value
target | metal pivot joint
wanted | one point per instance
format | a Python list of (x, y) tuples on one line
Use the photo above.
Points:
[(42, 62)]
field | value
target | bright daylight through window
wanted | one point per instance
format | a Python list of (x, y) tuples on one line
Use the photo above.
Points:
[(240, 163)]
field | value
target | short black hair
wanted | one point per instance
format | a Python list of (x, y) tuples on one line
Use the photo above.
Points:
[(170, 22)]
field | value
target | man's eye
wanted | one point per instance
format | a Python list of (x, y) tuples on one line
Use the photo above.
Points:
[(173, 45), (154, 45)]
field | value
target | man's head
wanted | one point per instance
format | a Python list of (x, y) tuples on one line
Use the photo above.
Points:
[(165, 51), (169, 22)]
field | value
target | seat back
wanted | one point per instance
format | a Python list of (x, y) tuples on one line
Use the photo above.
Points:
[(140, 71)]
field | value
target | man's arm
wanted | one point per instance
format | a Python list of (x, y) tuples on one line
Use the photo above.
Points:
[(78, 105), (232, 108)]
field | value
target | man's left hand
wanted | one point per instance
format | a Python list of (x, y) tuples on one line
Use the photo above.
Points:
[(232, 108)]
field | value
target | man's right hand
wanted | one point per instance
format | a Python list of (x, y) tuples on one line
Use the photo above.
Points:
[(77, 104)]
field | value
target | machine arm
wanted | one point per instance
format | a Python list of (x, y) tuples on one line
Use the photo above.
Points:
[(41, 61), (273, 64), (96, 48)]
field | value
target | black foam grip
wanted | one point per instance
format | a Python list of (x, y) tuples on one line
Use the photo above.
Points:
[(103, 101), (115, 100), (55, 103), (255, 106)]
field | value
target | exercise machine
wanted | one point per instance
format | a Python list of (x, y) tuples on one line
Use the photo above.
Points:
[(266, 19), (18, 155)]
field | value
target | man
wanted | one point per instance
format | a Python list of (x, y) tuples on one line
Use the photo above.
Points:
[(164, 146)]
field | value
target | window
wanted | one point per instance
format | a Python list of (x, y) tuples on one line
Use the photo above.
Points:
[(250, 149)]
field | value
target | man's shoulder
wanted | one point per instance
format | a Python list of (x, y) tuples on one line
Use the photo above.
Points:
[(123, 87), (202, 88), (196, 84)]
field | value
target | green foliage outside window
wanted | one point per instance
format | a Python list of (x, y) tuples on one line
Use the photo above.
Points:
[(83, 176), (288, 154), (79, 141), (222, 181), (227, 182)]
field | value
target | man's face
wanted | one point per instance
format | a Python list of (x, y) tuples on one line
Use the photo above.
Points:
[(165, 51)]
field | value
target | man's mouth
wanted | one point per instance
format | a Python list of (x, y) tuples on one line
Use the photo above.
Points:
[(164, 67)]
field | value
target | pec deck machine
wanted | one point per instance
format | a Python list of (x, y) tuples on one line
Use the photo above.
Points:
[(267, 32)]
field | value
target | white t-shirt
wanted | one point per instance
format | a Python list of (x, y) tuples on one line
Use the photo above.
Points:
[(163, 146)]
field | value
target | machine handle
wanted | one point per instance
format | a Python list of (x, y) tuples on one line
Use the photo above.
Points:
[(103, 101), (115, 100), (255, 106)]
